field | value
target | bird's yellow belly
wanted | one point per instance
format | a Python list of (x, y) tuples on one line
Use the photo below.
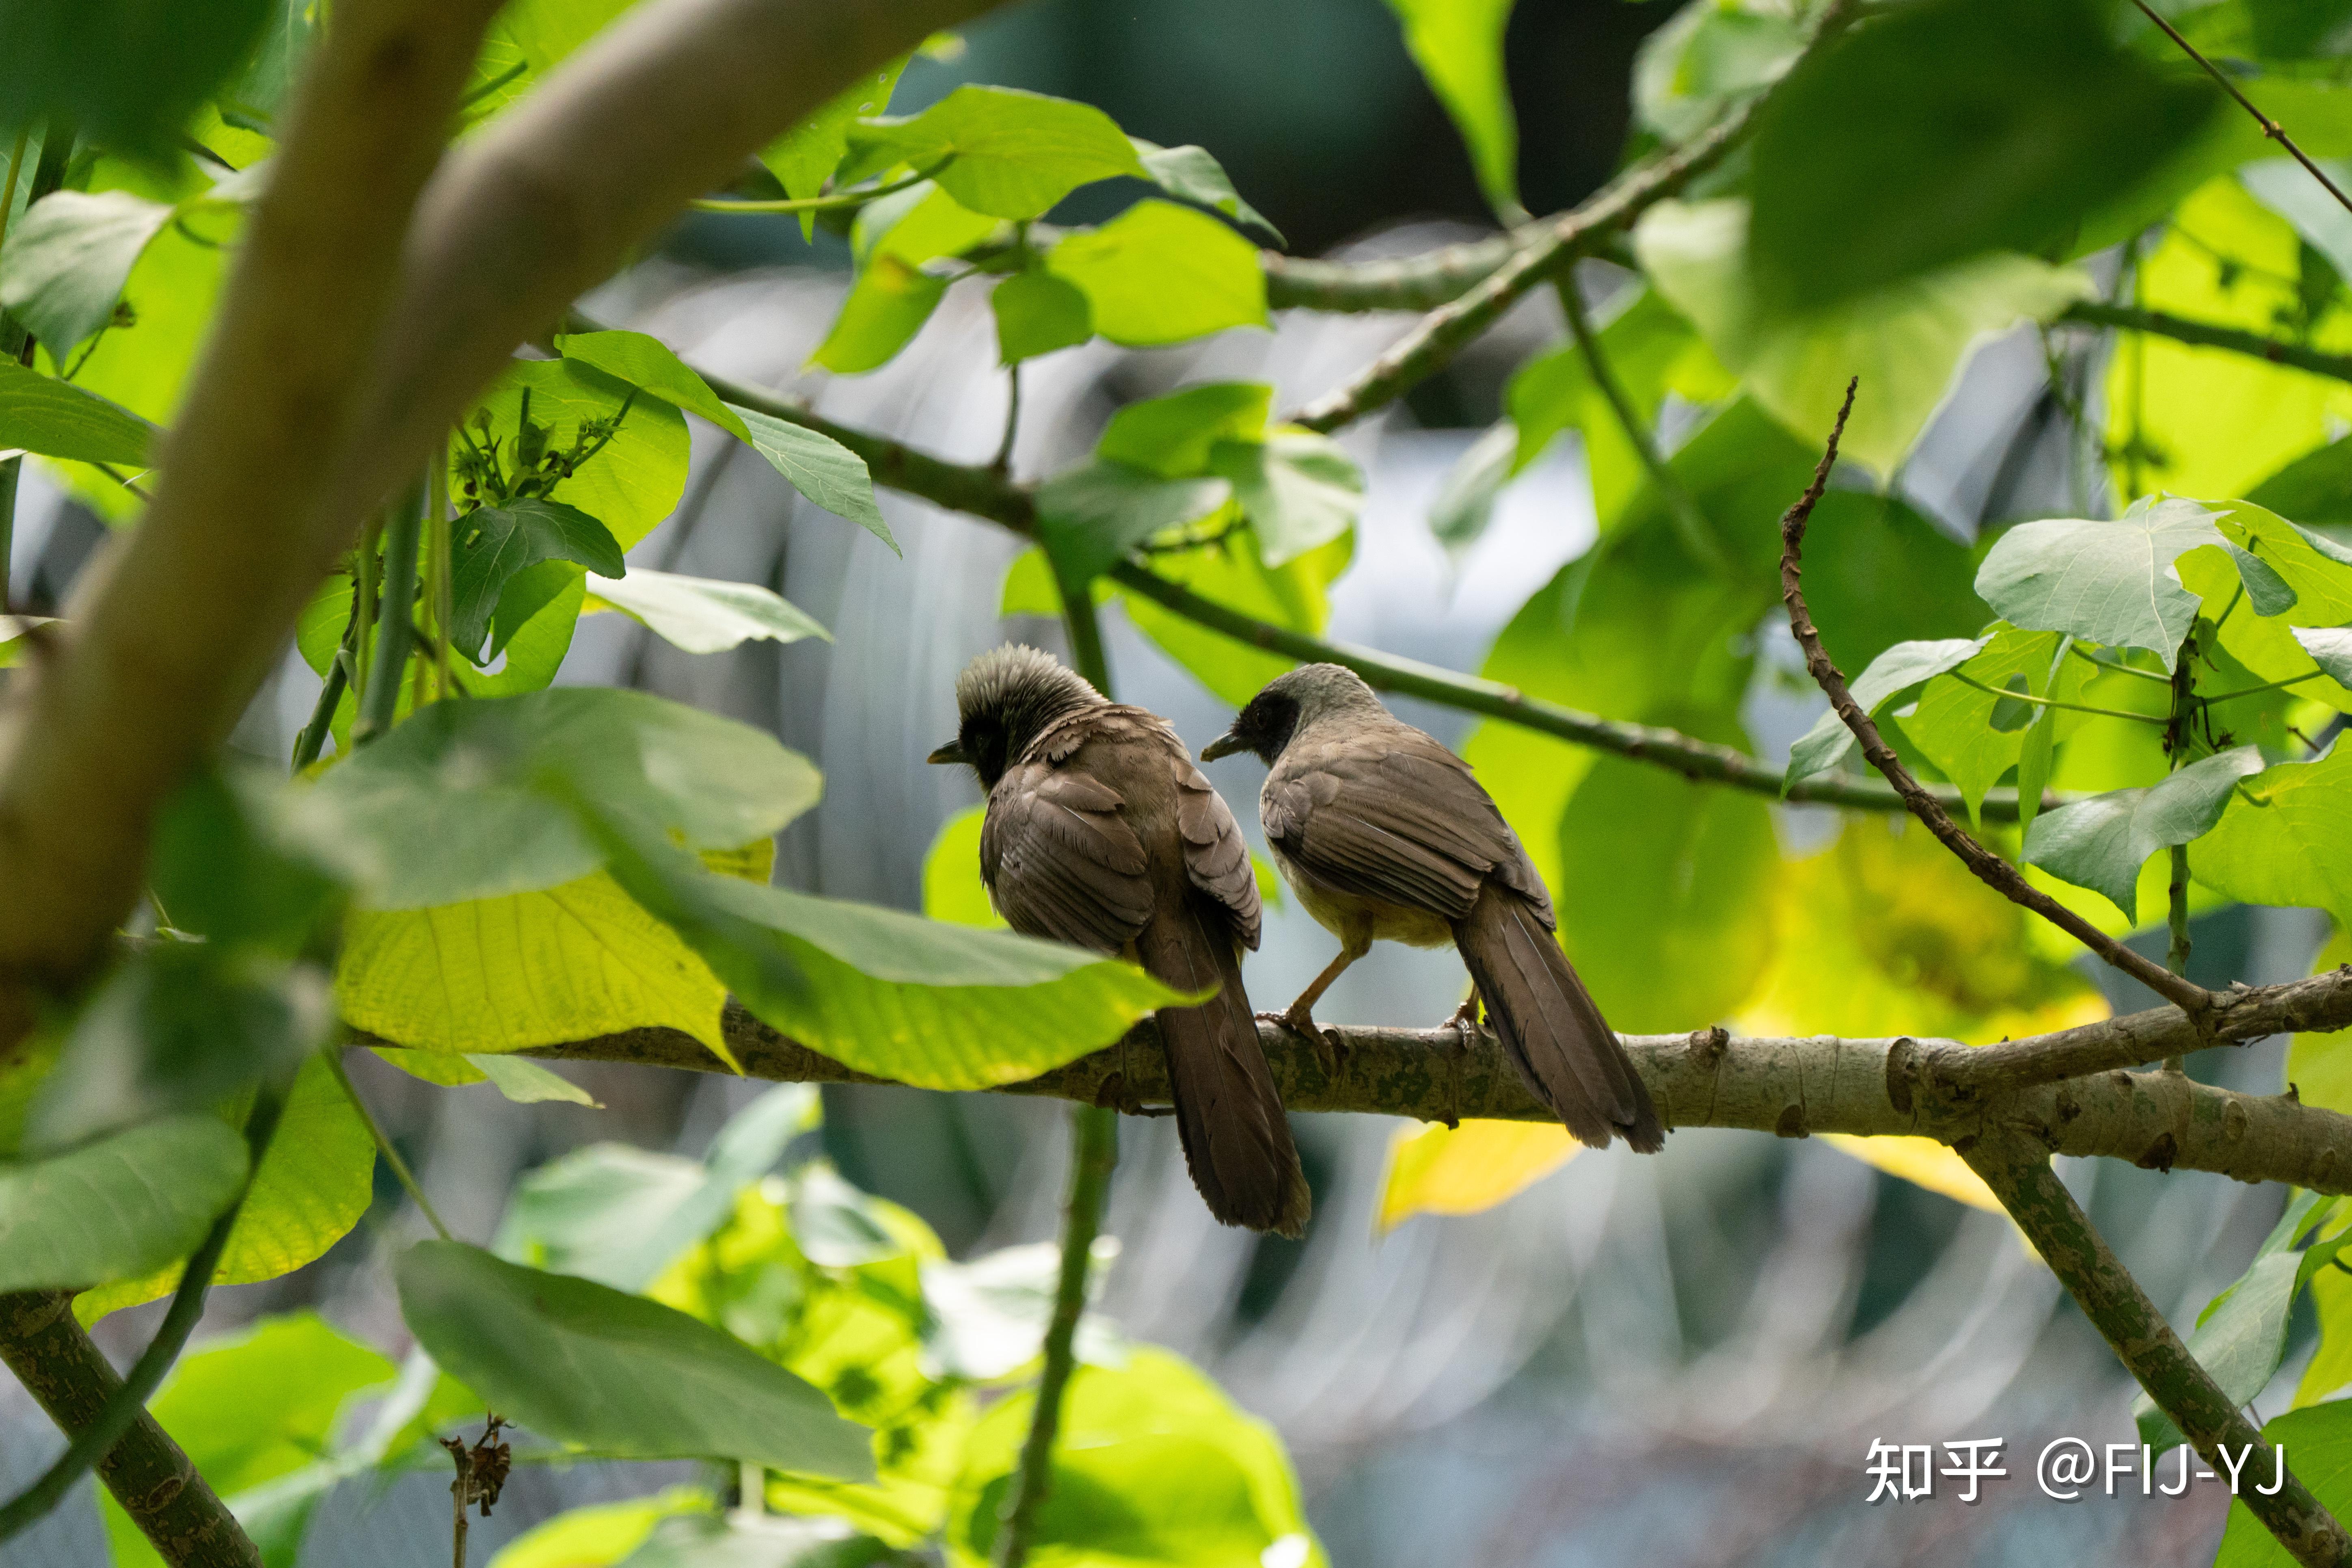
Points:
[(1357, 921)]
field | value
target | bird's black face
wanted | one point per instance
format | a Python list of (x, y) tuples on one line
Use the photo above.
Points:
[(1263, 727), (981, 744)]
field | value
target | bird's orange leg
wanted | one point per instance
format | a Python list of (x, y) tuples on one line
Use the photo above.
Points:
[(1300, 1013)]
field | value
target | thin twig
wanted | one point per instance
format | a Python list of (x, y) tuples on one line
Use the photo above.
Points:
[(2270, 128), (146, 1375), (817, 204), (1990, 867), (384, 1144), (2021, 1177), (2207, 334), (2027, 697)]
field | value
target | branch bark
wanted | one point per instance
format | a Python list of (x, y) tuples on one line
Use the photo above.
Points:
[(1792, 1087), (2021, 1177)]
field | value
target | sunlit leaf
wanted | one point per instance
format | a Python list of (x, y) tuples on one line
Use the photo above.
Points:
[(1160, 273), (52, 418), (2109, 581), (2103, 842), (703, 615), (998, 150), (1193, 174), (1436, 1169), (1924, 1162), (1036, 313), (1458, 45), (820, 468), (68, 258)]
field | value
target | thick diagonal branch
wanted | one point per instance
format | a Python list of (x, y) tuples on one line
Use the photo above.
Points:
[(2019, 1176), (1989, 868)]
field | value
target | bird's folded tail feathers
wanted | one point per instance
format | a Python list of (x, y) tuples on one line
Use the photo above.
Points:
[(1549, 1024), (1236, 1138)]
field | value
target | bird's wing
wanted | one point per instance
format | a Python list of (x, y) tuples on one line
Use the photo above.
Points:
[(1061, 859), (1215, 859), (1387, 813)]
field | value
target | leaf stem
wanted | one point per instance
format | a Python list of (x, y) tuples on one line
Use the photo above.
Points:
[(2113, 667), (818, 203), (124, 1405), (380, 700), (384, 1144), (2052, 701), (1094, 1137), (2257, 691)]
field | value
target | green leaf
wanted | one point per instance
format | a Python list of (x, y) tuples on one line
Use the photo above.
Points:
[(525, 1082), (1906, 341), (13, 640), (2242, 1336), (129, 73), (1191, 174), (2266, 591), (988, 1317), (648, 365), (1298, 489), (804, 157), (2315, 486), (2319, 1447), (1159, 273), (118, 1207), (570, 963), (1458, 45), (1007, 154), (314, 1183), (177, 1029), (2103, 842), (52, 418), (1464, 503), (1036, 313), (246, 861), (597, 1536), (1154, 1466), (916, 225), (467, 778), (2286, 838), (252, 1408), (584, 1363), (1892, 673), (939, 1006), (1091, 515), (1952, 723), (68, 258), (756, 1541), (1172, 438), (2330, 647), (887, 307), (1706, 57), (620, 1215), (704, 614), (639, 476), (2112, 582), (2021, 115), (952, 889), (495, 544), (820, 468)]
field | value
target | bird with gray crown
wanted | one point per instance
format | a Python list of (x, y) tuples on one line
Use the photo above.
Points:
[(1101, 833), (1385, 834)]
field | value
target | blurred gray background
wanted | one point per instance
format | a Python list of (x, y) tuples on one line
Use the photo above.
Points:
[(1675, 1360)]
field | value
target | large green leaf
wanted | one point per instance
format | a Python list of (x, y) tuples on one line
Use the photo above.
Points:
[(1193, 174), (599, 1535), (1000, 151), (1154, 1466), (1159, 273), (498, 543), (887, 307), (2317, 1443), (647, 364), (819, 467), (53, 418), (756, 1541), (127, 72), (1892, 673), (68, 258), (2020, 115), (704, 614), (2103, 842), (1706, 56), (803, 158), (245, 861), (468, 779), (1090, 516), (2286, 838), (939, 1006), (1036, 313), (584, 1363), (2105, 581), (1458, 45), (118, 1207), (1298, 489), (633, 482), (252, 1408), (1170, 438), (313, 1185), (1904, 340)]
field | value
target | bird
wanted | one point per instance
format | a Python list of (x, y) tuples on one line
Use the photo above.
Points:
[(1385, 834), (1102, 834)]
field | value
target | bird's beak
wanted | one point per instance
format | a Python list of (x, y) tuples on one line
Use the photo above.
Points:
[(1224, 745), (951, 752)]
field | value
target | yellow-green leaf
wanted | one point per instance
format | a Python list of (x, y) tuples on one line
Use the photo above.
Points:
[(1437, 1169)]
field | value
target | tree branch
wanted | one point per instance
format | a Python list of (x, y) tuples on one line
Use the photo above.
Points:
[(2021, 1177), (2204, 334), (1991, 868), (2270, 128), (1790, 1087)]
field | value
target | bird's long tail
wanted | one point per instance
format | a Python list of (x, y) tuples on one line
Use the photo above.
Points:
[(1237, 1141), (1551, 1026)]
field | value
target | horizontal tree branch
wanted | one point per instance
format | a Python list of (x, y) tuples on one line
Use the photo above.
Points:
[(2205, 334), (1790, 1087)]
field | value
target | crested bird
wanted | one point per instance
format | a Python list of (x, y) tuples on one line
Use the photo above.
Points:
[(1385, 834), (1102, 833)]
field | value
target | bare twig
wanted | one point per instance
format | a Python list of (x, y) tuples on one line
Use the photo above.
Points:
[(1991, 868), (2021, 1177), (2270, 128)]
